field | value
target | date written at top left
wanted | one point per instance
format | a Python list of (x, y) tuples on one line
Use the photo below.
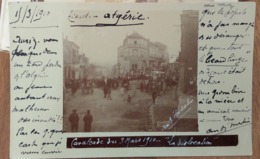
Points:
[(28, 14)]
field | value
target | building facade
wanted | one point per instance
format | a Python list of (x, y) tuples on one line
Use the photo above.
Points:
[(140, 55), (188, 56), (74, 63)]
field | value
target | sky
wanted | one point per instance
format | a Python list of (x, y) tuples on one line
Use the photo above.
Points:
[(100, 44)]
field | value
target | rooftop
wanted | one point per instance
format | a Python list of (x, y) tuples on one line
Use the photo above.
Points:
[(135, 35)]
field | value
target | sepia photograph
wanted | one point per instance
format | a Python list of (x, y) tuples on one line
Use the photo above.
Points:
[(132, 78)]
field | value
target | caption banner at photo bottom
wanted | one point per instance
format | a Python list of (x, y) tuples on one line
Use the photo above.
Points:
[(152, 141)]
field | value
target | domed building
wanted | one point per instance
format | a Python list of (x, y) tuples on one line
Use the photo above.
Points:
[(139, 55)]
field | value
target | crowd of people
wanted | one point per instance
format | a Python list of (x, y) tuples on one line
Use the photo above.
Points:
[(154, 84)]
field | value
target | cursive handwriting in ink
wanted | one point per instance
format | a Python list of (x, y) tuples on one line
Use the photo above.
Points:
[(127, 18)]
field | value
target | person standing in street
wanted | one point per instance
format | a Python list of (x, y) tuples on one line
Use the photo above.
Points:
[(88, 118), (105, 82), (109, 89), (74, 120), (154, 91)]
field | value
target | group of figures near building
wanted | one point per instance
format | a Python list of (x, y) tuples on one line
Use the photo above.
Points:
[(154, 85)]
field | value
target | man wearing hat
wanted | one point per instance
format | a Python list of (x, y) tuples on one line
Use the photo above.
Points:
[(74, 120)]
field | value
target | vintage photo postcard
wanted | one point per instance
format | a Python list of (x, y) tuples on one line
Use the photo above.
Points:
[(118, 80)]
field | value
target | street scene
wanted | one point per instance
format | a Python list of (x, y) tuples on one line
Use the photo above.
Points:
[(146, 88)]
